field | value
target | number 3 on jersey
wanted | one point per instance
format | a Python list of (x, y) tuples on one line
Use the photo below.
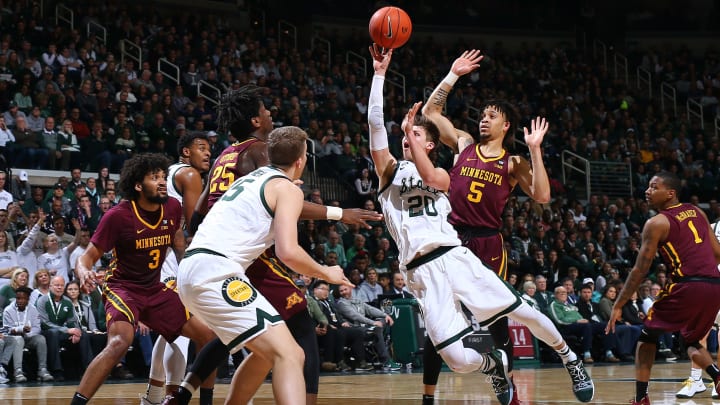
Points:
[(154, 259)]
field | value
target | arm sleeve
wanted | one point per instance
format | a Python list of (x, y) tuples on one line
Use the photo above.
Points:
[(376, 124)]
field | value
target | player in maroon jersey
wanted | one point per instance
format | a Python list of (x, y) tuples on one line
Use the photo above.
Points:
[(139, 230), (690, 250), (243, 112), (481, 182)]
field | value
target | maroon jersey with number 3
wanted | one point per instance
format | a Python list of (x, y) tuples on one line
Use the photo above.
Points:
[(687, 251), (479, 189), (226, 170), (140, 239)]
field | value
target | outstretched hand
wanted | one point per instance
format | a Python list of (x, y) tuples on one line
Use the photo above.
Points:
[(615, 316), (467, 62), (360, 216), (538, 129), (381, 59), (409, 121)]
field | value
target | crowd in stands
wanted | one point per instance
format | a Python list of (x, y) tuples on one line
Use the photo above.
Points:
[(69, 102)]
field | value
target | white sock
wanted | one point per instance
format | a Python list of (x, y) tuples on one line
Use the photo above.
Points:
[(566, 354), (696, 374), (155, 394)]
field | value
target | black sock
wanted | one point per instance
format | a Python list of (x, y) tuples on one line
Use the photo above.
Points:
[(183, 395), (428, 399), (713, 371), (640, 390), (209, 359), (206, 396), (78, 399)]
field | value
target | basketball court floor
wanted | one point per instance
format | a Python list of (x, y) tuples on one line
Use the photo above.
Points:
[(614, 384)]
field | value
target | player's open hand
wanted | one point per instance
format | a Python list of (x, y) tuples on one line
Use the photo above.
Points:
[(538, 129), (467, 62), (360, 217), (381, 59), (409, 121)]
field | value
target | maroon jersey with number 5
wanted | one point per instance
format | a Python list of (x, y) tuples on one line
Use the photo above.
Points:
[(479, 189), (140, 239)]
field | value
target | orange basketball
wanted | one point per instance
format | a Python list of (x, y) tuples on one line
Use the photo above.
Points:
[(390, 27)]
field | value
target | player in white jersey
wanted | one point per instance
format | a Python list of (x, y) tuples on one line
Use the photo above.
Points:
[(441, 273), (694, 384), (185, 184), (257, 210)]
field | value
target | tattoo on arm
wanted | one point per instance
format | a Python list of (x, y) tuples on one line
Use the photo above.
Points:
[(440, 97)]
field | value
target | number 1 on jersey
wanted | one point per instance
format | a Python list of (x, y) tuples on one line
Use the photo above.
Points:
[(694, 231)]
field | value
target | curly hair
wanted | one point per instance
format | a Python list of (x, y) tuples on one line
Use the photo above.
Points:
[(136, 168), (236, 110)]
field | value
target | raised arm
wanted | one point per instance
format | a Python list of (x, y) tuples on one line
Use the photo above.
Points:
[(456, 139), (379, 149), (532, 177), (419, 146)]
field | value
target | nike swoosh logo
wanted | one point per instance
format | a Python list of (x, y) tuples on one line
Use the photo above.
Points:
[(389, 34), (139, 231), (495, 258)]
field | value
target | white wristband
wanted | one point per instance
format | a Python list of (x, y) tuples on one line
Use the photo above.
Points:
[(451, 78), (334, 213)]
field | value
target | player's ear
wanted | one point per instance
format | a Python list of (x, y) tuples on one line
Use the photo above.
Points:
[(138, 186), (506, 126)]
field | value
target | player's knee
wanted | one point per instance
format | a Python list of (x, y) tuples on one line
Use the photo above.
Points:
[(650, 336), (456, 359), (696, 344)]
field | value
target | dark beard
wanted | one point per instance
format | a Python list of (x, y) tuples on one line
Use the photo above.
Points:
[(158, 199)]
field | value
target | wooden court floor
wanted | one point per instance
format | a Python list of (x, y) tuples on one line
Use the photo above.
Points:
[(545, 385)]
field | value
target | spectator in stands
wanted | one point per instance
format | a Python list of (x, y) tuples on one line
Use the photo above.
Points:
[(6, 140), (529, 290), (20, 188), (69, 146), (85, 318), (50, 140), (23, 320), (398, 285), (55, 258), (60, 327), (30, 242), (5, 197), (369, 289), (358, 247), (362, 314), (41, 285), (339, 333), (18, 278), (571, 324), (12, 114), (30, 150), (590, 312)]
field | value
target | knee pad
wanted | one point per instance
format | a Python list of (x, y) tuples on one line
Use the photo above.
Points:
[(650, 335)]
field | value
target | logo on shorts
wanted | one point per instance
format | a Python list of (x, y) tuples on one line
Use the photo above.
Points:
[(237, 292), (170, 283)]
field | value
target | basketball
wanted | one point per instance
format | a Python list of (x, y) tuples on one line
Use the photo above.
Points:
[(390, 27)]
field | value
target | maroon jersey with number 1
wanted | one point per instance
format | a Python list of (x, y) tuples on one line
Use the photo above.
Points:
[(689, 302)]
